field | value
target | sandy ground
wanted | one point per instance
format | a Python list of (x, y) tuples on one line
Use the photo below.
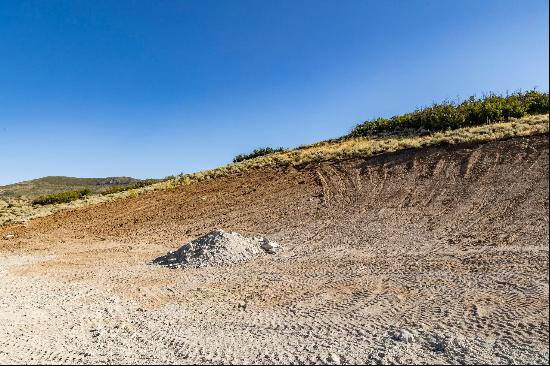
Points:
[(437, 255)]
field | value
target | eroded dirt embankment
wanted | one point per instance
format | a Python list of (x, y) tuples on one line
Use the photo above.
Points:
[(465, 187), (447, 244)]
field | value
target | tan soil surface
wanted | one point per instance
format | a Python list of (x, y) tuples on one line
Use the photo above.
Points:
[(432, 255)]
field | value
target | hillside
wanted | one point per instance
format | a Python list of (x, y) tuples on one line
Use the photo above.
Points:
[(327, 151), (31, 189), (488, 118), (437, 254)]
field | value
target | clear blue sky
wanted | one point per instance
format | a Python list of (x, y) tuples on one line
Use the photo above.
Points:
[(153, 88)]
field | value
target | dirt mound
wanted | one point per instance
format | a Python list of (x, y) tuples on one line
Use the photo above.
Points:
[(217, 248)]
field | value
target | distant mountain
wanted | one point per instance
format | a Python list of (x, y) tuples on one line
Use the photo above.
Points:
[(31, 189)]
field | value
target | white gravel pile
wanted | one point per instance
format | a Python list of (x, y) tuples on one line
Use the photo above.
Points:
[(218, 248)]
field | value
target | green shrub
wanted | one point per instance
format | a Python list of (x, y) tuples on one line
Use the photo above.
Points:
[(257, 152), (450, 115), (62, 197)]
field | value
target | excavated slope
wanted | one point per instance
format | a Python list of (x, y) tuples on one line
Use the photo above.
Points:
[(430, 255)]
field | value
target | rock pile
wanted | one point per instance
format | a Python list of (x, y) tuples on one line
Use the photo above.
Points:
[(218, 248)]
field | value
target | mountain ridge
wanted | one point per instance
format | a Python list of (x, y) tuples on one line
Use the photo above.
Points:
[(33, 188)]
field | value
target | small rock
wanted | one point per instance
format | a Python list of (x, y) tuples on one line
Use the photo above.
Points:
[(270, 246), (333, 358), (9, 236), (406, 336), (95, 333), (241, 305)]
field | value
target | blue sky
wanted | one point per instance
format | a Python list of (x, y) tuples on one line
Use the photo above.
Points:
[(153, 88)]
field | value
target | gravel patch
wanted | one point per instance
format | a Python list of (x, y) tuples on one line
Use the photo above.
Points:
[(218, 248)]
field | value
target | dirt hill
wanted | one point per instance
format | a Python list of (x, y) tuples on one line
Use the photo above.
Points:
[(429, 255), (336, 150), (31, 189)]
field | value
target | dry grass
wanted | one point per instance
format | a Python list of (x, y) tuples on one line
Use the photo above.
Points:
[(334, 150)]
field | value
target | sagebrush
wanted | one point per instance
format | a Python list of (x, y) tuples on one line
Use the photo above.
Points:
[(257, 152)]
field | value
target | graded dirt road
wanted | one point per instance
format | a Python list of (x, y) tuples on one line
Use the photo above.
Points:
[(431, 255)]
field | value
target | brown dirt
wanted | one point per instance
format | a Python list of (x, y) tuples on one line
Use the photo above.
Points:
[(447, 243)]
